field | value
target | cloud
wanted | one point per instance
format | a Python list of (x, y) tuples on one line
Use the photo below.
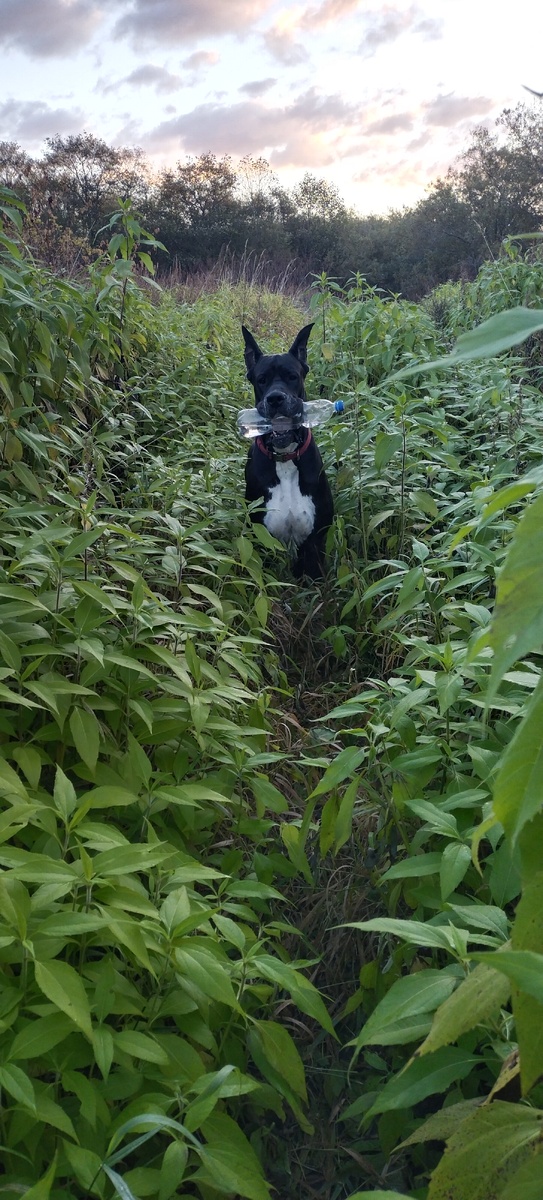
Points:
[(167, 22), (401, 170), (329, 11), (48, 28), (430, 27), (450, 109), (33, 120), (257, 87), (128, 134), (392, 124), (201, 59), (145, 76), (419, 142), (281, 44), (388, 24), (303, 150), (295, 135)]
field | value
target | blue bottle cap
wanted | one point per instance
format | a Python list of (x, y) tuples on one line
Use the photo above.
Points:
[(339, 406)]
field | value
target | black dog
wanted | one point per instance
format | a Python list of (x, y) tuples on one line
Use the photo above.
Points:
[(284, 468)]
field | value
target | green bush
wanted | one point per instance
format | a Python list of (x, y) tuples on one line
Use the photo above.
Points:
[(197, 759)]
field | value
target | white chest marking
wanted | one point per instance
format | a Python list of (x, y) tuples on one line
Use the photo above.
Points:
[(290, 516)]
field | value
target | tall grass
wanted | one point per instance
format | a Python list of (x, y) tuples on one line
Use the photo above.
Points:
[(222, 792)]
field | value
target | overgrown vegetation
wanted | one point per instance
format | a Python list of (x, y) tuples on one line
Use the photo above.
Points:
[(271, 858), (215, 216)]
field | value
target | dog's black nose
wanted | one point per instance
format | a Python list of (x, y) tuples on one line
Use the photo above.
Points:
[(274, 399)]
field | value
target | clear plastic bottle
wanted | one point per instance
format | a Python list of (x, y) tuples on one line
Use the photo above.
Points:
[(250, 424)]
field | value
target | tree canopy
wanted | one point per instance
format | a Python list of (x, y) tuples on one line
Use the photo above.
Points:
[(206, 205)]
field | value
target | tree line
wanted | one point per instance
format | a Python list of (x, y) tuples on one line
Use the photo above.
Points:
[(206, 207)]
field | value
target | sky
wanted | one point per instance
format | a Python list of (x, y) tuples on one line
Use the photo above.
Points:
[(377, 98)]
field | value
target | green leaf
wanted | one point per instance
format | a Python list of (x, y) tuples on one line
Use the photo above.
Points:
[(102, 1038), (194, 793), (11, 697), (128, 933), (121, 1188), (281, 1053), (28, 759), (152, 1122), (42, 1189), (523, 967), (376, 1196), (346, 763), (483, 916), (212, 1087), (85, 731), (40, 1035), (52, 1114), (441, 1125), (266, 539), (262, 607), (386, 446), (86, 1166), (87, 1092), (517, 620), (267, 795), (16, 1082), (415, 933), (140, 1045), (527, 1183), (294, 842), (518, 793), (500, 332), (527, 934), (110, 797), (279, 1083), (146, 261), (476, 999), (39, 868), (125, 860), (327, 823), (408, 997), (438, 821), (424, 1077), (455, 861), (63, 987), (424, 501), (448, 689), (344, 820), (10, 783), (415, 867), (172, 1170), (71, 924), (15, 904), (229, 1161), (27, 478), (64, 794), (102, 598), (304, 993), (26, 595), (200, 966), (10, 652), (485, 1152)]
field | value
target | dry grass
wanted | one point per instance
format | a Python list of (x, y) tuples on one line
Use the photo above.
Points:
[(249, 269)]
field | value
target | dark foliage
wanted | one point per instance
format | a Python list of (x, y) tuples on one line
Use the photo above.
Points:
[(206, 207)]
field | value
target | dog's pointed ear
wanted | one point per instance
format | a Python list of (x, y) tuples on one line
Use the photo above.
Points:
[(252, 350), (299, 346)]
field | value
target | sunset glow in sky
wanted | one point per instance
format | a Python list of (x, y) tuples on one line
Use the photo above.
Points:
[(377, 98)]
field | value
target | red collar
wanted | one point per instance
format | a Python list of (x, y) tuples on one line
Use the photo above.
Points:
[(294, 457)]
